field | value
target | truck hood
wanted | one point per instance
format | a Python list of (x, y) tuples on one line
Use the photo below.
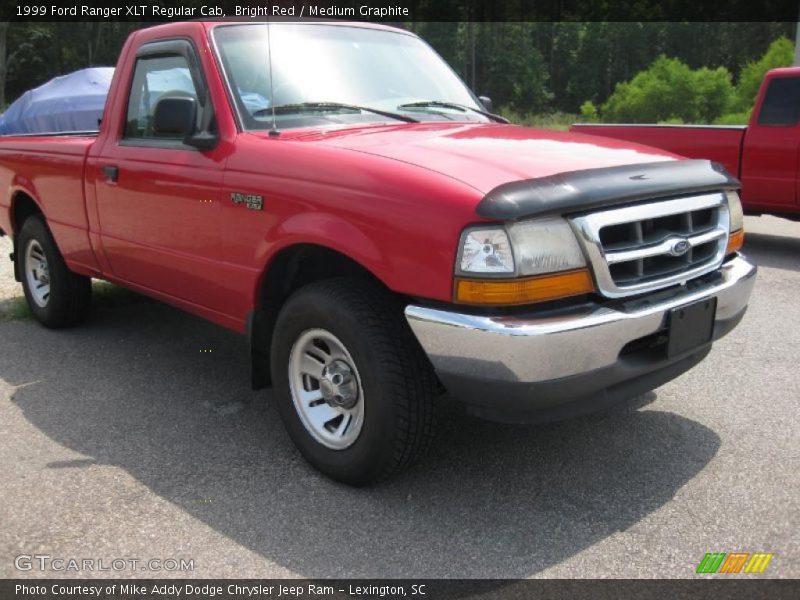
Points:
[(486, 156)]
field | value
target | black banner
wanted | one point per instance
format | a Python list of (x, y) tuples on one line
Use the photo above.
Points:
[(402, 10), (422, 589)]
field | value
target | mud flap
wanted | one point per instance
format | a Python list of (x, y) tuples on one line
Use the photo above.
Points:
[(13, 258), (258, 329)]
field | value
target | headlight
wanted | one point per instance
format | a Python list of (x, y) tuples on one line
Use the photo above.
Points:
[(520, 263), (545, 246), (485, 250), (736, 237), (524, 248), (735, 210)]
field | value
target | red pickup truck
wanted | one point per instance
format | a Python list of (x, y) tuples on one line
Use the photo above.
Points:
[(338, 194), (764, 155)]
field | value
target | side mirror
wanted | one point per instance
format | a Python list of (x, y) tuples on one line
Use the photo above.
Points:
[(175, 116), (487, 103)]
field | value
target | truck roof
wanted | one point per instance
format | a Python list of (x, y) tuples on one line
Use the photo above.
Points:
[(795, 70), (210, 23)]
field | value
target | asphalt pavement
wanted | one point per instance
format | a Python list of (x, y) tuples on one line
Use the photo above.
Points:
[(136, 436)]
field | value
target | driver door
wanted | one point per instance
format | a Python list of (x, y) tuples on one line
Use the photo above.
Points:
[(158, 200)]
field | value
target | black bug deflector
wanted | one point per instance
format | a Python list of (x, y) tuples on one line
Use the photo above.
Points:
[(591, 188)]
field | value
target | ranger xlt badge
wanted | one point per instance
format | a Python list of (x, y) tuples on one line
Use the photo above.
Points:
[(250, 201)]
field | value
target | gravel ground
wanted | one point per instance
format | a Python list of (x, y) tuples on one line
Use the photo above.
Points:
[(123, 438), (8, 287)]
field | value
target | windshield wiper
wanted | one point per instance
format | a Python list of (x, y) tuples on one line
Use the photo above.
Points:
[(321, 106), (454, 106)]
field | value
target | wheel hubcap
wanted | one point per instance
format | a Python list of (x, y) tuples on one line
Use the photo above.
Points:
[(338, 386), (37, 273), (326, 389)]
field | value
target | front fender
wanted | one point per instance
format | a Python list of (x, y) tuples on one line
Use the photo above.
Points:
[(330, 231)]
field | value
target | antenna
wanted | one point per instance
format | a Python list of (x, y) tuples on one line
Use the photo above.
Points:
[(274, 131)]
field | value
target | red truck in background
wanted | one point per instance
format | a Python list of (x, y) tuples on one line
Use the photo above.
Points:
[(338, 194), (764, 155)]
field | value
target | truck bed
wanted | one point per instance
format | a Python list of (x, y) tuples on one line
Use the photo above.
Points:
[(720, 143), (49, 168)]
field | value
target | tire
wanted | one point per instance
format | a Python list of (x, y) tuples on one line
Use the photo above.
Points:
[(56, 296), (392, 420)]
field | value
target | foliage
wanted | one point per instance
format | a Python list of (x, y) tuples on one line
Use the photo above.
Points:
[(553, 120), (589, 112), (670, 90), (13, 308), (545, 67), (779, 54), (737, 118)]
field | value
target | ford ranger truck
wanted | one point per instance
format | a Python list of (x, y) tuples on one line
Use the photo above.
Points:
[(763, 155), (336, 193)]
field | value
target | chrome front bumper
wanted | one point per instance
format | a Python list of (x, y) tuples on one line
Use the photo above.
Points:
[(582, 343)]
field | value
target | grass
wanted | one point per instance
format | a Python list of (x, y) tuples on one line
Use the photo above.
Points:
[(104, 295), (14, 308), (558, 121)]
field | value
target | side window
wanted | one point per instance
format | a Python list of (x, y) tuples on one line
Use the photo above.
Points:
[(781, 104), (153, 78)]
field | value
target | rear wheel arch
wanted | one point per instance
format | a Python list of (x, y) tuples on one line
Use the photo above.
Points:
[(23, 206)]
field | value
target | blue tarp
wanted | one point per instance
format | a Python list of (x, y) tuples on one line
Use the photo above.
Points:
[(68, 103), (75, 102)]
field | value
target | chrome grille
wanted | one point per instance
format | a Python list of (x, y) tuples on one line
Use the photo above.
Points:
[(644, 247)]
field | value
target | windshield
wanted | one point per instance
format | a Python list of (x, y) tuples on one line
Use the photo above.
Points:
[(315, 66)]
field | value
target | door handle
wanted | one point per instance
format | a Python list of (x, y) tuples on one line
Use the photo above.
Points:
[(111, 172)]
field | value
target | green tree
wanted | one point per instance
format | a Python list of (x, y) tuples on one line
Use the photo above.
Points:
[(670, 90), (589, 112), (712, 93), (17, 48), (37, 52), (779, 54)]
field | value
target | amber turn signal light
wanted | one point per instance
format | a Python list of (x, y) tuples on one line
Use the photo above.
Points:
[(523, 291), (735, 241)]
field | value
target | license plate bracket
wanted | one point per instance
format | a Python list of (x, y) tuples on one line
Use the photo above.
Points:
[(690, 326)]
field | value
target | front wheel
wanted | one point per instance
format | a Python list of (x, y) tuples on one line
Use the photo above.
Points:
[(351, 383), (56, 296)]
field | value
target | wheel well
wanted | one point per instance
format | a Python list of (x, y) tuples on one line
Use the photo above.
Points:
[(22, 207), (299, 265), (289, 270)]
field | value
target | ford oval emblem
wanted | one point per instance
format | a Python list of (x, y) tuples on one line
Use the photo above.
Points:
[(679, 247)]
